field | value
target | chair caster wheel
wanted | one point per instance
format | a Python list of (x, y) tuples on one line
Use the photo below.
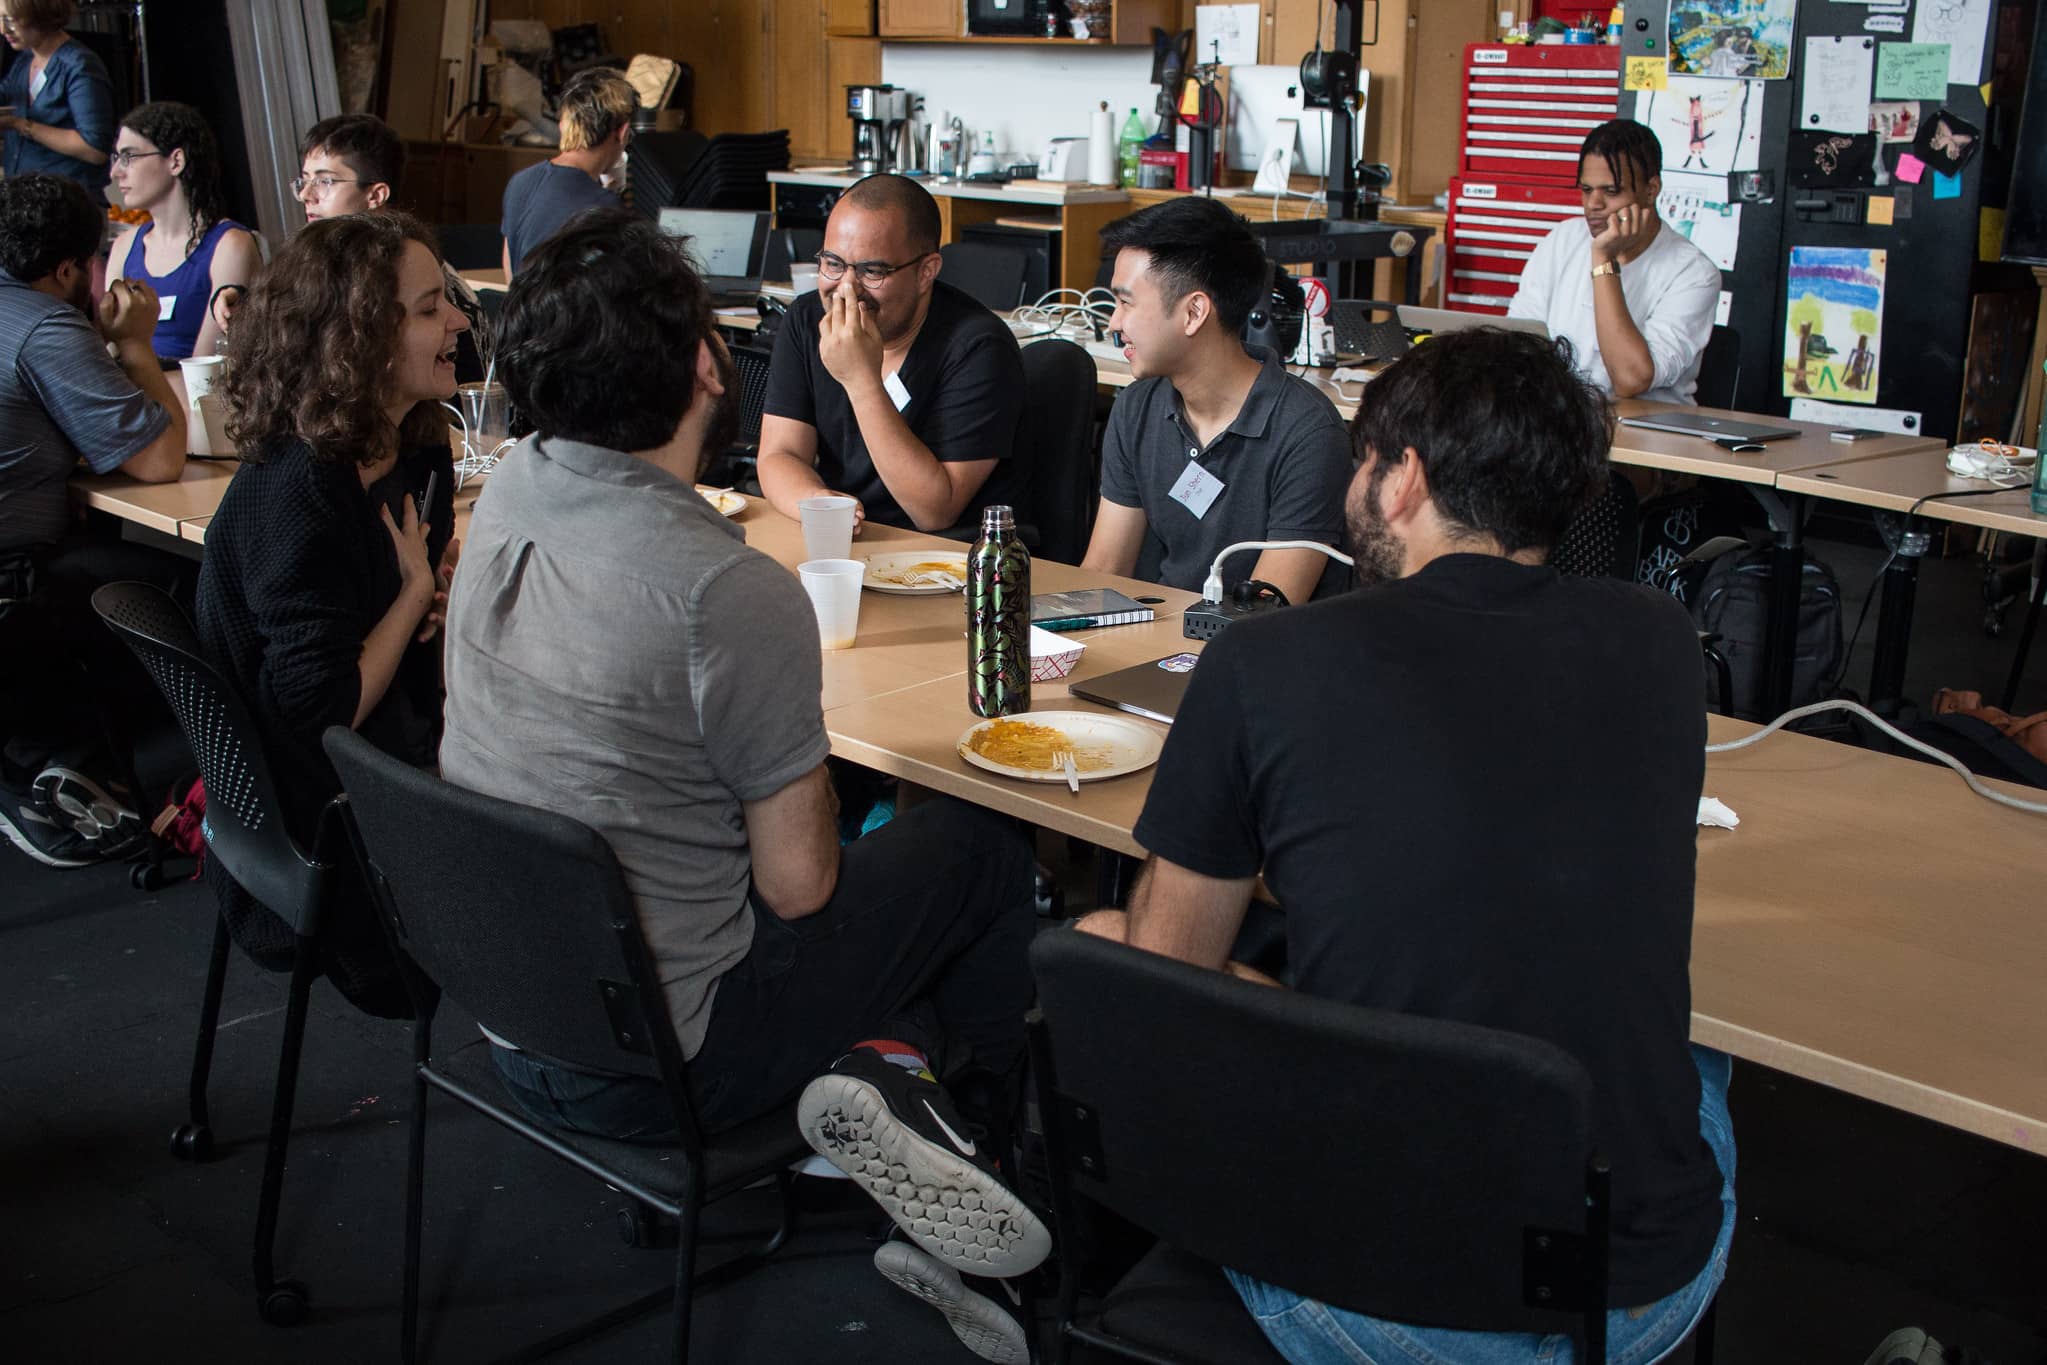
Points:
[(192, 1142), (146, 877), (285, 1304)]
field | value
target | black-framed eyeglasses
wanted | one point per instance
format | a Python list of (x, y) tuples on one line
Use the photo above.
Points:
[(323, 182), (128, 156), (830, 267)]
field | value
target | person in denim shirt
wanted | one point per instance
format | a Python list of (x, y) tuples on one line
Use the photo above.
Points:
[(60, 100)]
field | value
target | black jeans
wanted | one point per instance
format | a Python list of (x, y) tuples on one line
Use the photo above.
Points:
[(931, 919)]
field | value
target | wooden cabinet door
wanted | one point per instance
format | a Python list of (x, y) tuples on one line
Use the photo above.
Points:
[(849, 18), (923, 18)]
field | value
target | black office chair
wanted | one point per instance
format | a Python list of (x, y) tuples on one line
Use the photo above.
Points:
[(1358, 334), (737, 465), (1719, 370), (993, 275), (1413, 1169), (1056, 436), (523, 918), (1605, 539), (471, 246), (245, 832)]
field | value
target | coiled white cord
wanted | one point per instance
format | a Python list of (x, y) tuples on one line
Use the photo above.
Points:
[(1068, 313), (1987, 793)]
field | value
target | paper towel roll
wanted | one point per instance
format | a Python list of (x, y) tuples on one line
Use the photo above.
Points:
[(1101, 148)]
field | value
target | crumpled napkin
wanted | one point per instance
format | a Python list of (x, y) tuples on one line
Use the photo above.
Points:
[(1716, 813)]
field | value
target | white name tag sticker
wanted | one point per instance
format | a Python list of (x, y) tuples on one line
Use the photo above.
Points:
[(897, 394), (1197, 490), (166, 304)]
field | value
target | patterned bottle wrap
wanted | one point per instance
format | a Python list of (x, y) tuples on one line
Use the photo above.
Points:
[(999, 624)]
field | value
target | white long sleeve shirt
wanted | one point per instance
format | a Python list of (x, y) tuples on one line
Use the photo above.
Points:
[(1672, 291)]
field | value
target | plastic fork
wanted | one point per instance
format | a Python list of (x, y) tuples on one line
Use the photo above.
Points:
[(1064, 758)]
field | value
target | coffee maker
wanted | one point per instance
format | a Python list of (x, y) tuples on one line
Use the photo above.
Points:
[(878, 112)]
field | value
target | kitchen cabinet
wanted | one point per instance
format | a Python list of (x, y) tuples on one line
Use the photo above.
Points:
[(923, 18), (849, 18)]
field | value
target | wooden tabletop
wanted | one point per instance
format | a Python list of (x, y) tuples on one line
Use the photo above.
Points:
[(1810, 449), (159, 506), (1874, 925), (1895, 483)]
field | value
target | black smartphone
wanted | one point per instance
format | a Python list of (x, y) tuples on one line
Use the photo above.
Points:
[(426, 499)]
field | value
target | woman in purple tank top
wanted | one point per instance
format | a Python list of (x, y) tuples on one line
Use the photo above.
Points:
[(166, 161)]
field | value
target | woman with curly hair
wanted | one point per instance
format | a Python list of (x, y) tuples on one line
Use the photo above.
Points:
[(62, 100), (328, 561), (166, 161)]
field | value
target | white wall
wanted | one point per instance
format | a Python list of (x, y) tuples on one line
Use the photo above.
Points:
[(1028, 95)]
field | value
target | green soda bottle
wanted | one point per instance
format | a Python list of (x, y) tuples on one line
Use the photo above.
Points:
[(998, 618), (1128, 145)]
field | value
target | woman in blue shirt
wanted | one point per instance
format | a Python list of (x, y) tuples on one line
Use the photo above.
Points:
[(61, 102), (166, 161)]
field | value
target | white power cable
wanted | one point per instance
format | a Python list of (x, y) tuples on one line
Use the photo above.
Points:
[(1987, 793), (1212, 586), (1069, 313)]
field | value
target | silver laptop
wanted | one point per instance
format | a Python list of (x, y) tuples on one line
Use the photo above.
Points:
[(728, 245), (1152, 690), (1725, 430), (1437, 320)]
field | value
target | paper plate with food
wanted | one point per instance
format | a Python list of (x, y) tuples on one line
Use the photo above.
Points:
[(727, 502), (1035, 746), (916, 573)]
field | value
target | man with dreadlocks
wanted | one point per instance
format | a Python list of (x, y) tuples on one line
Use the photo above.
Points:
[(1632, 293)]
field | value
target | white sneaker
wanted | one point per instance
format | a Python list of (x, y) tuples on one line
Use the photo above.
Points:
[(981, 1324)]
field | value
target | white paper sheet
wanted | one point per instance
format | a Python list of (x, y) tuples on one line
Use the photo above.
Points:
[(1697, 206), (1708, 125), (1838, 74), (1963, 26), (1233, 27)]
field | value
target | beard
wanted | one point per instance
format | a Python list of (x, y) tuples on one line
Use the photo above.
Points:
[(80, 295), (1379, 553), (723, 428)]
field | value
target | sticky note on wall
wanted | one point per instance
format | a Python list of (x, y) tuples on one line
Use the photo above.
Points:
[(1647, 73), (1911, 169), (1881, 210), (1947, 186)]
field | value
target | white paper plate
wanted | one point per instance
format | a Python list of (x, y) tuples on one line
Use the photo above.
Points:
[(1122, 745), (728, 503), (883, 571)]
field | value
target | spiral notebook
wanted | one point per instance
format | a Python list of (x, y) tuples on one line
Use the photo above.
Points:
[(1085, 608)]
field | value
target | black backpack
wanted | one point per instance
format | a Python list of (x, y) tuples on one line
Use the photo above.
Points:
[(1732, 601)]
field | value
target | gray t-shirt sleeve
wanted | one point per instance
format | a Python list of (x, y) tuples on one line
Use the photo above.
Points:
[(101, 412), (758, 677), (1309, 479), (1120, 440)]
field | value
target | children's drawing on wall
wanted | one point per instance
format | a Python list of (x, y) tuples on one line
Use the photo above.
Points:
[(1731, 38), (1833, 327), (1707, 126)]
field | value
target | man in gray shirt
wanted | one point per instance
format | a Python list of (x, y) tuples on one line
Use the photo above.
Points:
[(1212, 445), (617, 654)]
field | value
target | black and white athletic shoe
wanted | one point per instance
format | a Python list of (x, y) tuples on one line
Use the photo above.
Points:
[(897, 1134), (105, 819), (981, 1324), (40, 837)]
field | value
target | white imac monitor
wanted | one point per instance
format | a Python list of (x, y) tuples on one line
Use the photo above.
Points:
[(1258, 97)]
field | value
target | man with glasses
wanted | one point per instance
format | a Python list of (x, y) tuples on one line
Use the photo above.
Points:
[(888, 386), (350, 164)]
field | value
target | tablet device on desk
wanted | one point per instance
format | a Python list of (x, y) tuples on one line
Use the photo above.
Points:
[(1439, 320), (1150, 690), (1719, 429)]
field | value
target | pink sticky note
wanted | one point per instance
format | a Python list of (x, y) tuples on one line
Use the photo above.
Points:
[(1911, 169)]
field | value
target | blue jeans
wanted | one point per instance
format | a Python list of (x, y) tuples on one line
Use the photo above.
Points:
[(1311, 1333)]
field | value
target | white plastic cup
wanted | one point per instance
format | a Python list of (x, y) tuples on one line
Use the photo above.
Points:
[(803, 277), (834, 588), (201, 373), (827, 527)]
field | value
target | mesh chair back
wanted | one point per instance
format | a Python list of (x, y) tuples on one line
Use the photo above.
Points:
[(1359, 332), (244, 824), (519, 915), (1057, 437), (1604, 540), (752, 363), (994, 275), (471, 246), (1379, 1162), (1719, 370)]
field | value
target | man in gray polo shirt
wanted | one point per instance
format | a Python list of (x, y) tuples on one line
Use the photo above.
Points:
[(1212, 445), (617, 654)]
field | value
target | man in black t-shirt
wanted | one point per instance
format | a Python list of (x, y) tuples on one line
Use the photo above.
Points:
[(886, 385), (1481, 808)]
